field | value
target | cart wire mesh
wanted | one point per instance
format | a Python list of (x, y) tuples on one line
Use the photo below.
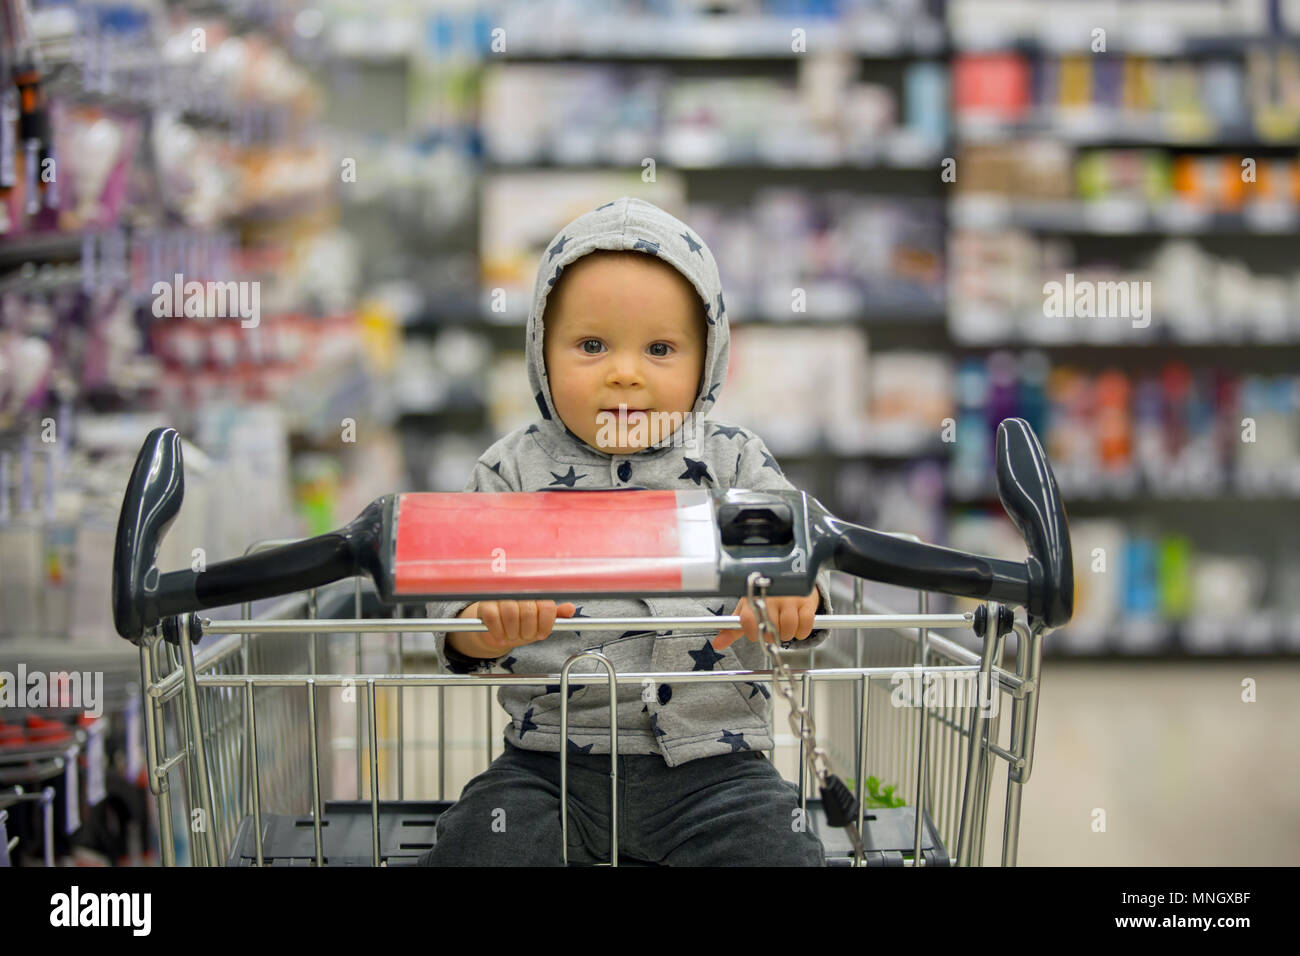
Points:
[(933, 717)]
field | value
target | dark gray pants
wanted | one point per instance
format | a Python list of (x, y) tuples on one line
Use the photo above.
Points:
[(730, 810)]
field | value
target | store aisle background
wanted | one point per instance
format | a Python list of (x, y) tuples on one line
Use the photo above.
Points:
[(889, 186), (1187, 773)]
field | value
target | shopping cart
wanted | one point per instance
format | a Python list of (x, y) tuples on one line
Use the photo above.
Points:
[(229, 718), (54, 767), (59, 788)]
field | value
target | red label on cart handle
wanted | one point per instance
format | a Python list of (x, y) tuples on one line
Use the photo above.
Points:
[(629, 542)]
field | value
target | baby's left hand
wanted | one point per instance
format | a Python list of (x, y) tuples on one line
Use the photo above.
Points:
[(792, 617)]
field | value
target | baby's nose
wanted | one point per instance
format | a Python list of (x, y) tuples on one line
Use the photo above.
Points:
[(627, 372)]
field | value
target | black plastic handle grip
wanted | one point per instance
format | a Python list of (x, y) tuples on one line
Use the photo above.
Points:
[(1043, 584), (1027, 489), (876, 556), (153, 498), (142, 596)]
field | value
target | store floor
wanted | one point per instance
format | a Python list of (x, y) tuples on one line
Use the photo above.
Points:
[(1187, 773)]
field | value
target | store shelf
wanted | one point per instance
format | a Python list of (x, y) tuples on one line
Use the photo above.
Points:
[(440, 413), (40, 247), (1204, 638), (1101, 130), (733, 39), (884, 452), (1058, 36), (45, 653), (870, 317), (1112, 490), (1120, 217), (780, 56), (1113, 349), (899, 157)]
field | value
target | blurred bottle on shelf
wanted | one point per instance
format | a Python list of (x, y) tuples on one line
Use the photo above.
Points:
[(1113, 425), (59, 546), (22, 546), (972, 455), (1173, 577)]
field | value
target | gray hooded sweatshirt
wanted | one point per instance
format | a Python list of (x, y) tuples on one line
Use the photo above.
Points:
[(681, 721)]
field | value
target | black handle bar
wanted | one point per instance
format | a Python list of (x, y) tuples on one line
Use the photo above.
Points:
[(1043, 584)]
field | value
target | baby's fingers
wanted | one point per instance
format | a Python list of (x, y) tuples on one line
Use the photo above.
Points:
[(748, 627), (728, 637), (489, 613), (537, 619), (785, 619), (545, 619), (807, 618), (547, 612), (528, 631), (509, 621)]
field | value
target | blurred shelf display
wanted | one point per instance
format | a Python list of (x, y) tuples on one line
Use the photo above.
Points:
[(1164, 169), (59, 501), (1251, 634), (1100, 95), (824, 119), (1015, 285), (1170, 432), (1141, 592), (903, 158), (1044, 185), (874, 318), (667, 30), (1126, 217), (1281, 488), (833, 255), (1118, 130), (678, 30), (1153, 27), (168, 255), (385, 174), (1259, 345)]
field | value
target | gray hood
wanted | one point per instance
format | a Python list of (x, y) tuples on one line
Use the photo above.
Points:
[(636, 225)]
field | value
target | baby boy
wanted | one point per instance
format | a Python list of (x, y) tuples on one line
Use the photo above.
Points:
[(631, 356)]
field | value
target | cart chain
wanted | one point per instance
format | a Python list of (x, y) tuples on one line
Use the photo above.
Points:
[(838, 801)]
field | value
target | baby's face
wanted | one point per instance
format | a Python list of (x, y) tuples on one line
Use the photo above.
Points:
[(623, 330)]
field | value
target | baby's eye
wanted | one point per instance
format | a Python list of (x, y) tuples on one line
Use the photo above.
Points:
[(587, 342), (664, 345)]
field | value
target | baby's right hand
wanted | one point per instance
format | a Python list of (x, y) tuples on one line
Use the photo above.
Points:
[(511, 624)]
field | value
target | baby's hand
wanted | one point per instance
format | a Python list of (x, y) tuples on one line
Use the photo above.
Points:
[(512, 624), (792, 617)]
